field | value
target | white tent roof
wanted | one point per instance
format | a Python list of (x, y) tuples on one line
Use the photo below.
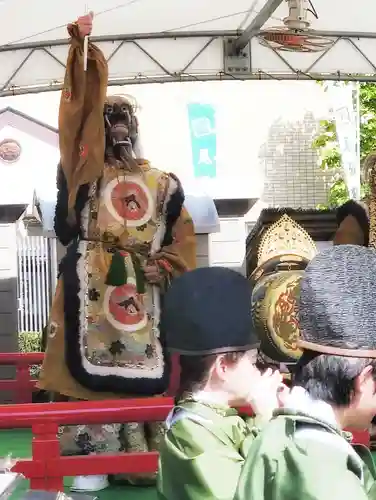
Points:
[(179, 40)]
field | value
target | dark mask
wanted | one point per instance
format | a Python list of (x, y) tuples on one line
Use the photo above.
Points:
[(121, 126)]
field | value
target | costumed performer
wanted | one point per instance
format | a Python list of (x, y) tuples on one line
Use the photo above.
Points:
[(207, 319), (357, 219), (304, 452), (128, 236)]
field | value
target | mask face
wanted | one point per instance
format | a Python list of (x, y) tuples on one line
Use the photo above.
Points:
[(121, 125)]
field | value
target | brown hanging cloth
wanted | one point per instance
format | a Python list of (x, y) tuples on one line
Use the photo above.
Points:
[(81, 124), (370, 173), (357, 220), (353, 224)]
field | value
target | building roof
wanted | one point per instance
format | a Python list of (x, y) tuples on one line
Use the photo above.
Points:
[(14, 118), (23, 116)]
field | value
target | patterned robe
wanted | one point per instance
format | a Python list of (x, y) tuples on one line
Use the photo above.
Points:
[(103, 334)]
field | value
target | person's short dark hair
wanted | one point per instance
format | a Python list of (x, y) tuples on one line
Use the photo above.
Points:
[(195, 370), (329, 378)]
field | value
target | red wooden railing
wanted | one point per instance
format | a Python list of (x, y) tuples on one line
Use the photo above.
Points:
[(23, 385), (47, 469)]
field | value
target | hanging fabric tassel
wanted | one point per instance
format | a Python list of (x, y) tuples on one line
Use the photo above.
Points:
[(117, 274), (370, 169), (140, 278)]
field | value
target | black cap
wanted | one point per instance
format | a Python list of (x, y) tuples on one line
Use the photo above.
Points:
[(208, 311)]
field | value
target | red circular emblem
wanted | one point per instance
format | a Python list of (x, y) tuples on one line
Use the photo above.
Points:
[(125, 305), (130, 201)]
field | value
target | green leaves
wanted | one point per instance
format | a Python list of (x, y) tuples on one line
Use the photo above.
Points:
[(338, 194), (31, 342), (326, 143)]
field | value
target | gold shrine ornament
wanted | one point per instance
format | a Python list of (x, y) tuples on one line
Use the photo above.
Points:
[(285, 237), (285, 251)]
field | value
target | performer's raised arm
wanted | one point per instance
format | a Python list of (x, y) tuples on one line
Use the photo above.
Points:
[(81, 128)]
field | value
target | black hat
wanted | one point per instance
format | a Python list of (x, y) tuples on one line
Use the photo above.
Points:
[(208, 311), (337, 302)]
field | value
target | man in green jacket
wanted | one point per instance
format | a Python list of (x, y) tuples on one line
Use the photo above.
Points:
[(206, 318), (304, 453)]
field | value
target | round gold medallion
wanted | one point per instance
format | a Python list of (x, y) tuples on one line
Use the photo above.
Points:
[(275, 309)]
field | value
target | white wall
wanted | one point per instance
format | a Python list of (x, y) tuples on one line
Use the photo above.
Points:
[(36, 169), (202, 253), (226, 248)]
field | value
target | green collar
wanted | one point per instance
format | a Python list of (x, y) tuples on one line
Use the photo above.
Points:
[(203, 407), (299, 416)]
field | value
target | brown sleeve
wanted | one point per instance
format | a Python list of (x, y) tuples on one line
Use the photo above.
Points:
[(180, 255), (81, 124), (353, 224)]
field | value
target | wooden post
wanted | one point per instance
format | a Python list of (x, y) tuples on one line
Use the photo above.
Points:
[(46, 450)]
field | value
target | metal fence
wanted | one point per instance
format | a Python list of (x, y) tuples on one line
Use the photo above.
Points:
[(36, 281)]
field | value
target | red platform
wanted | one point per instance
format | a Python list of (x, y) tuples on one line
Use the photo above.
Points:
[(46, 469)]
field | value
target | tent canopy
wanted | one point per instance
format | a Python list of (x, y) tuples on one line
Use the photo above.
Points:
[(150, 41)]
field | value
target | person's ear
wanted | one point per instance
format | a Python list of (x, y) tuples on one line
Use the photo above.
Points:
[(365, 382), (220, 366)]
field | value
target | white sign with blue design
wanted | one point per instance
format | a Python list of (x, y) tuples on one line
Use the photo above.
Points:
[(202, 128)]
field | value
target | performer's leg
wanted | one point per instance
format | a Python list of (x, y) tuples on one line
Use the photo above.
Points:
[(87, 440), (94, 439), (136, 437), (156, 432), (133, 438)]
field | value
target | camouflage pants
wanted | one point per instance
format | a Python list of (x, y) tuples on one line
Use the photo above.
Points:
[(112, 438)]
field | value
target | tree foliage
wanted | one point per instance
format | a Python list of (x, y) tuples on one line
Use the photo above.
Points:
[(327, 145)]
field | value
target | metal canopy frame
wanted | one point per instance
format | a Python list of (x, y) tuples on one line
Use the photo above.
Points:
[(212, 55), (256, 24)]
